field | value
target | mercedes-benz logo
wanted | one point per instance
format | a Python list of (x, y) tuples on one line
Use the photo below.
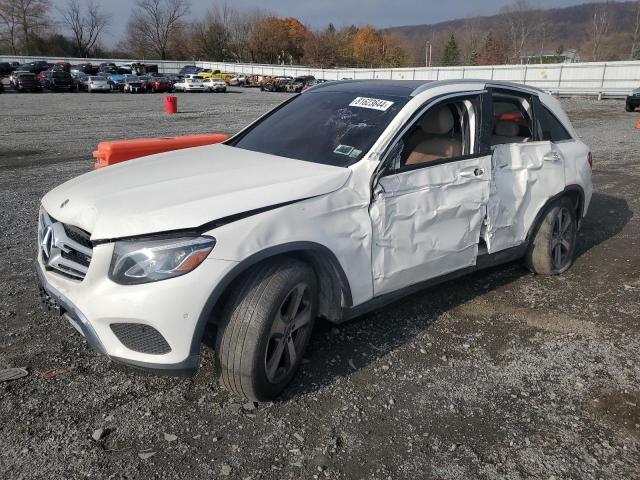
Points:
[(47, 243)]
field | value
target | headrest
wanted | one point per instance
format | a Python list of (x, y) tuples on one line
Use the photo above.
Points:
[(507, 128), (437, 122)]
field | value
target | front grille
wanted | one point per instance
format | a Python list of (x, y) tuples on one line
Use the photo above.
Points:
[(141, 338), (64, 248)]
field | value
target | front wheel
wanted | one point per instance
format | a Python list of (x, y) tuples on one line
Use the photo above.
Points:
[(266, 326), (553, 248), (629, 108)]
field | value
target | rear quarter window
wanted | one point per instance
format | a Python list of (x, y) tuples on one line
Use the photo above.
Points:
[(551, 128)]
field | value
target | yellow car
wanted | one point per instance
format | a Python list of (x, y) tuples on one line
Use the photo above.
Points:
[(208, 73)]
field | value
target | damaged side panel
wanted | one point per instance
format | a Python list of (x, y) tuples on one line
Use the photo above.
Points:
[(521, 184), (427, 222)]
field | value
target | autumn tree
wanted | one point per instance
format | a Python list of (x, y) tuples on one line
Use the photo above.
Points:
[(85, 23), (451, 54), (320, 48), (368, 47)]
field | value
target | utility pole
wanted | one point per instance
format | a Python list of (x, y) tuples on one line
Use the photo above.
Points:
[(427, 54)]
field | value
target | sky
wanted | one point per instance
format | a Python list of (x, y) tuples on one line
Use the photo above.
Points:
[(318, 13)]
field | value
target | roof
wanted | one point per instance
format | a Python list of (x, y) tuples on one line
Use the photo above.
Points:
[(394, 88), (405, 88)]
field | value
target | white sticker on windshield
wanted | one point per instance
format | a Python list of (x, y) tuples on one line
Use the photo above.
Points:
[(373, 103)]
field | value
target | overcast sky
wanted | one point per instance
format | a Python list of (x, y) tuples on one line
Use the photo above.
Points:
[(318, 13)]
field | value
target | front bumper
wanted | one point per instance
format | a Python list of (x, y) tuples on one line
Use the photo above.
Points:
[(177, 308)]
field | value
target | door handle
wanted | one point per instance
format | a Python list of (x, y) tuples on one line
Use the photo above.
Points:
[(551, 157), (477, 172)]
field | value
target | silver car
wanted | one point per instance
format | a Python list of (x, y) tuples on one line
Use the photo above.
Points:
[(96, 84)]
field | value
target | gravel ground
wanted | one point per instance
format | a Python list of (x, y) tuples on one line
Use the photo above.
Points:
[(499, 375)]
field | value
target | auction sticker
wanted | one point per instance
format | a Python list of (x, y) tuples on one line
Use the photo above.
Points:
[(373, 103)]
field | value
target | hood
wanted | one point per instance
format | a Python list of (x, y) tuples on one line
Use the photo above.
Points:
[(185, 189)]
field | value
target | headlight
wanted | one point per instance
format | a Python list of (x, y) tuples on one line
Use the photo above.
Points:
[(150, 260)]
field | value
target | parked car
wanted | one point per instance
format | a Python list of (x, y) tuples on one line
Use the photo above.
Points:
[(58, 80), (275, 84), (189, 69), (298, 83), (1, 87), (193, 83), (143, 68), (14, 76), (161, 84), (35, 67), (237, 81), (133, 84), (126, 68), (313, 83), (96, 83), (391, 186), (106, 69), (214, 85), (633, 100), (5, 69), (61, 66), (79, 79), (26, 82), (253, 81), (116, 81), (86, 68)]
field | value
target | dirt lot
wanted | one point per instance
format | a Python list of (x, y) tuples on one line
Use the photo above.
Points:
[(499, 375)]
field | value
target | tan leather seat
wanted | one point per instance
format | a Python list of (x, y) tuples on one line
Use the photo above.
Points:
[(437, 127), (507, 131)]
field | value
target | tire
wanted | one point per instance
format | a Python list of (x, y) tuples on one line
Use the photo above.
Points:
[(552, 249), (629, 108), (253, 361)]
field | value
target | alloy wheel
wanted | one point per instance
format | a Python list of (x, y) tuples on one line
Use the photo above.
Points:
[(562, 238), (288, 334)]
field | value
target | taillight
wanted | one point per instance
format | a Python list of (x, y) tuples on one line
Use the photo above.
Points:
[(590, 160)]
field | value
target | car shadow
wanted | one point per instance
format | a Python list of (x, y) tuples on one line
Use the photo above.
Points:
[(607, 216), (337, 351)]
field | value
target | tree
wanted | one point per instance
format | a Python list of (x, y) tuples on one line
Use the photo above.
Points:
[(599, 29), (368, 47), (86, 25), (21, 20), (451, 54), (519, 19), (154, 23), (635, 33), (493, 51)]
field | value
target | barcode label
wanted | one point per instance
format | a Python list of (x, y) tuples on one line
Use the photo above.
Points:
[(372, 103)]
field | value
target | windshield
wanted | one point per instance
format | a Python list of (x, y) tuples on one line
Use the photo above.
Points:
[(332, 128)]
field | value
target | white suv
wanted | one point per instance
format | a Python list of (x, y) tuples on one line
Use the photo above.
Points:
[(340, 200)]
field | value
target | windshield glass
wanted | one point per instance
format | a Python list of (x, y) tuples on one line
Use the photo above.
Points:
[(332, 128)]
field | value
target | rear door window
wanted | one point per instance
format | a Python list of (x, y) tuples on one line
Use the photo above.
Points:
[(550, 127)]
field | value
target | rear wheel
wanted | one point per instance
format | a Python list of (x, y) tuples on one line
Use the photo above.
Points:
[(553, 248), (267, 323), (629, 108)]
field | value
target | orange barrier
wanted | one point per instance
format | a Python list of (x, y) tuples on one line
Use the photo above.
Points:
[(110, 153)]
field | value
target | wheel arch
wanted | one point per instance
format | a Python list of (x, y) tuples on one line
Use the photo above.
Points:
[(574, 192), (335, 291)]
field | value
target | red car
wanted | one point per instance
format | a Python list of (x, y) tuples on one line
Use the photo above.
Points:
[(161, 84)]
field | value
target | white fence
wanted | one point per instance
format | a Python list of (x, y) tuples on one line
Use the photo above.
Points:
[(605, 79)]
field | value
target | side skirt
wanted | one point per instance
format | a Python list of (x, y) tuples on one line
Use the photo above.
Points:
[(483, 261)]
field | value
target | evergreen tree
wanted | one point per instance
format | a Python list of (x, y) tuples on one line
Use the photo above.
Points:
[(451, 54)]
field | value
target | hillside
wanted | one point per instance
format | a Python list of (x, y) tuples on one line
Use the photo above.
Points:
[(566, 28)]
